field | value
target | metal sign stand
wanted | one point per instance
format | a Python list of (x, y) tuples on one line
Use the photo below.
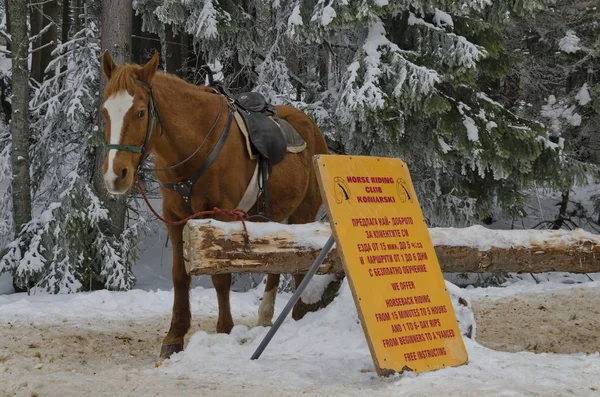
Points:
[(286, 310)]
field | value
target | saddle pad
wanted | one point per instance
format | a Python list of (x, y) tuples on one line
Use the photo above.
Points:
[(294, 142), (251, 193)]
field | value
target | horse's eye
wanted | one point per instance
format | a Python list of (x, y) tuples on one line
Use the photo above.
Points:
[(141, 114)]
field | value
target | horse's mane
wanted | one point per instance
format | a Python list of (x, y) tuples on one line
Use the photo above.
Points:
[(124, 78)]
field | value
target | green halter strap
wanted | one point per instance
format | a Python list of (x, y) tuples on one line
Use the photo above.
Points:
[(152, 108)]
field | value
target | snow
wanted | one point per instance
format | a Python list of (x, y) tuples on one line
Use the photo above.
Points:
[(414, 20), (472, 130), (314, 235), (484, 238), (206, 26), (526, 284), (483, 95), (441, 18), (491, 124), (583, 95), (328, 15), (569, 43), (324, 354), (556, 110), (295, 18), (314, 290), (445, 147), (5, 62)]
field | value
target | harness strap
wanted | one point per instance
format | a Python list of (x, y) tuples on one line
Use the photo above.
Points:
[(262, 200), (153, 106), (154, 115), (172, 167), (125, 148), (184, 188)]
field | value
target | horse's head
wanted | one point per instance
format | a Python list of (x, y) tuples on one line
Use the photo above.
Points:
[(127, 119)]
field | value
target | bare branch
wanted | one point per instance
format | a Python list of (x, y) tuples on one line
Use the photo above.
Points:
[(42, 47)]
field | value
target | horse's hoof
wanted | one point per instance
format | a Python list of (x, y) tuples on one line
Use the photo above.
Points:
[(262, 322), (300, 309), (167, 350), (224, 328)]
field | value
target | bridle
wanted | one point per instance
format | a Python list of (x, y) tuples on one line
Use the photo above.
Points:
[(184, 188), (154, 116)]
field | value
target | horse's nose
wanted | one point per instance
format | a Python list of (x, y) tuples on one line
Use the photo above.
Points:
[(118, 181)]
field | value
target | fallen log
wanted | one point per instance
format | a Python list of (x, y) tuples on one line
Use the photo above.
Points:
[(213, 247)]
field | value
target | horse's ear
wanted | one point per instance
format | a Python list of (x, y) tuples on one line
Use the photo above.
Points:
[(146, 73), (108, 65)]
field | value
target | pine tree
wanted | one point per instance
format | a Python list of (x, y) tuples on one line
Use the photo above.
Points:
[(5, 111), (558, 82), (64, 248), (391, 78)]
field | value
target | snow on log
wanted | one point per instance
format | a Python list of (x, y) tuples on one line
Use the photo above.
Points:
[(213, 247)]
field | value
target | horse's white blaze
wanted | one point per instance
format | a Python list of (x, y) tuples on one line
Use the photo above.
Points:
[(117, 106)]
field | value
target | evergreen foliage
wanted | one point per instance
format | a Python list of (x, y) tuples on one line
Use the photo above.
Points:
[(390, 78), (482, 99), (557, 81), (64, 249)]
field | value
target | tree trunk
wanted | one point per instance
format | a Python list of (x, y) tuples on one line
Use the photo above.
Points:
[(116, 37), (19, 125), (66, 20), (323, 66), (50, 37), (562, 211), (76, 10), (4, 91), (36, 18)]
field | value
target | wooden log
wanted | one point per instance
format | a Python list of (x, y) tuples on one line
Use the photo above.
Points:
[(213, 247)]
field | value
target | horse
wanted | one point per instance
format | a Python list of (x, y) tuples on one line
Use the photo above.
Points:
[(135, 98)]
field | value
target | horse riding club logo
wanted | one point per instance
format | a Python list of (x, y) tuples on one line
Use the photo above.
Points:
[(341, 189), (403, 191)]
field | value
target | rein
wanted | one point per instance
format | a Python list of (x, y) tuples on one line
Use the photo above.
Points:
[(237, 213), (183, 188)]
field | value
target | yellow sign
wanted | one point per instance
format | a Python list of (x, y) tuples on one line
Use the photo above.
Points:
[(390, 263)]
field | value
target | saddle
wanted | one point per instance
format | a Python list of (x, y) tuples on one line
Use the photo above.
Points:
[(268, 139), (267, 135)]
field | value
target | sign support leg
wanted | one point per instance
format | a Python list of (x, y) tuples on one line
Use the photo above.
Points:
[(286, 310)]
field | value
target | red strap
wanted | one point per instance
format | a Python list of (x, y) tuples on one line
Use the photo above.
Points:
[(234, 214)]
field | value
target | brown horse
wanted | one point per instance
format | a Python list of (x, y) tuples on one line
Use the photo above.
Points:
[(187, 114)]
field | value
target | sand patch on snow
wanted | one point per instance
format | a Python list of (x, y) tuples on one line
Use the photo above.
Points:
[(564, 321), (116, 357), (99, 357)]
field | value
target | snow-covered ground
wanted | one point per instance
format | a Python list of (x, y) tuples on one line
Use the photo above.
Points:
[(106, 343)]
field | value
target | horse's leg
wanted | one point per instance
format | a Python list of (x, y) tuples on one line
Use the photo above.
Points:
[(267, 306), (300, 308), (222, 284), (180, 320)]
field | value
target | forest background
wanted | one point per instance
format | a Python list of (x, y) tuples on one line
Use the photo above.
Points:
[(495, 106)]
